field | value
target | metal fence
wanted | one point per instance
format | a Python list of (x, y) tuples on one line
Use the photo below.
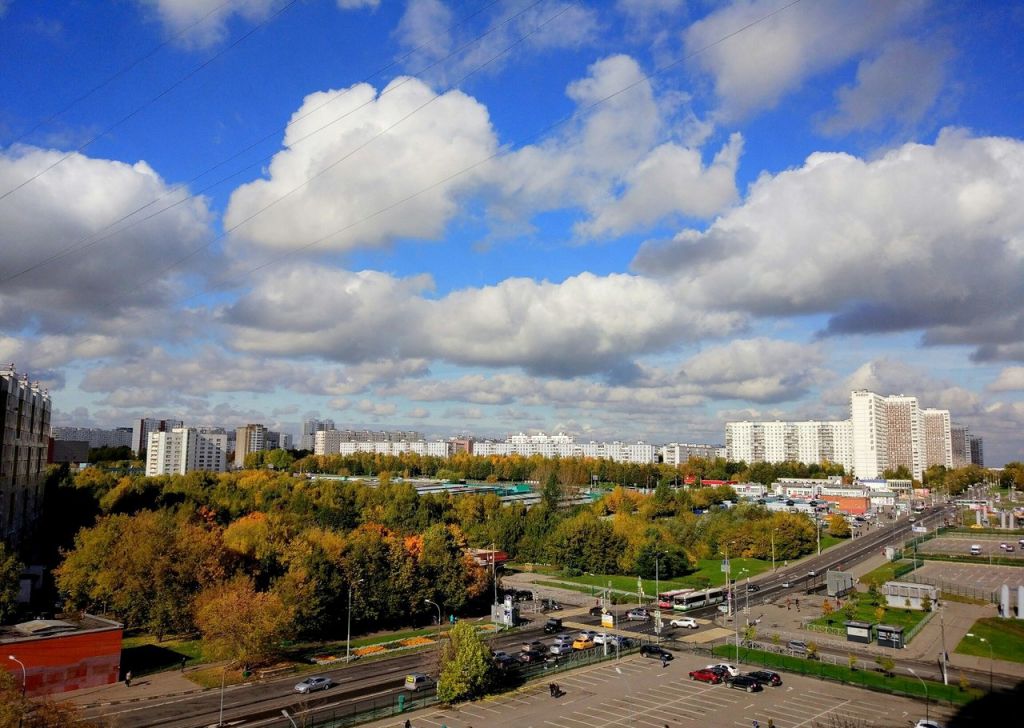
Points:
[(951, 587)]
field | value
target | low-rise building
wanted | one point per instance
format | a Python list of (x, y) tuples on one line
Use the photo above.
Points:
[(908, 595)]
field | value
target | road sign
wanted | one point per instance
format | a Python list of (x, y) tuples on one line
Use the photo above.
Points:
[(658, 624), (608, 620), (725, 565)]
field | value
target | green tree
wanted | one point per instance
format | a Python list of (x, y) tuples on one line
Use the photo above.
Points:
[(850, 609), (241, 624), (838, 526), (466, 668), (279, 459), (885, 664), (10, 575), (827, 609), (926, 603)]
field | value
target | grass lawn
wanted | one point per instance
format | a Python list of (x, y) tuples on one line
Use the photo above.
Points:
[(865, 612), (1004, 636), (866, 677), (884, 573)]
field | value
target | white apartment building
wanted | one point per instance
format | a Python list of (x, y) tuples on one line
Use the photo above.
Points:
[(937, 435), (779, 442), (330, 442), (185, 449), (903, 421), (870, 434), (146, 425), (118, 437), (564, 446), (678, 453)]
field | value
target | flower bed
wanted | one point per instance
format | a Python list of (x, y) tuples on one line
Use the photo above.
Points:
[(369, 650), (415, 641)]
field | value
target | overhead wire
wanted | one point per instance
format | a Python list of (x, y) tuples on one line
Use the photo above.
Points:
[(131, 114), (120, 72), (97, 236)]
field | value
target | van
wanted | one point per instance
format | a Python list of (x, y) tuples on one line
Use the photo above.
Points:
[(417, 681), (975, 549)]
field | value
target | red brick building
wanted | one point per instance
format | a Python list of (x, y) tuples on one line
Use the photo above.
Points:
[(62, 655)]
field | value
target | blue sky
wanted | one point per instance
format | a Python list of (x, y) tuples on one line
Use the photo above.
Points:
[(633, 219)]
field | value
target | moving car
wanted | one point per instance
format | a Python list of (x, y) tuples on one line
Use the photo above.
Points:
[(687, 622), (534, 645), (706, 676), (417, 681), (975, 549), (601, 638), (753, 588), (786, 585), (744, 682), (550, 604), (639, 613), (311, 684), (797, 646), (504, 661), (563, 638), (560, 648), (766, 677), (655, 651), (531, 656), (583, 642), (553, 625), (596, 611), (729, 669)]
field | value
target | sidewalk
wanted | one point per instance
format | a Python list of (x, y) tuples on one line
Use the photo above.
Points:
[(157, 685)]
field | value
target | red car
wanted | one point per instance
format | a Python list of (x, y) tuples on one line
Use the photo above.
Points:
[(705, 675)]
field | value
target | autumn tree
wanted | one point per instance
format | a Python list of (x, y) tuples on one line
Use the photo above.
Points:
[(241, 624), (21, 712), (10, 575), (466, 668), (838, 526)]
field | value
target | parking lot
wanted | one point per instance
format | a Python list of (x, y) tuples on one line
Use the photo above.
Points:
[(638, 692), (961, 545), (975, 576)]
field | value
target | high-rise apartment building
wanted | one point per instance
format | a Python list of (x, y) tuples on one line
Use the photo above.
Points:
[(903, 417), (809, 442), (309, 430), (678, 453), (142, 428), (960, 445), (24, 439), (936, 433), (977, 452), (185, 449), (870, 429), (251, 438)]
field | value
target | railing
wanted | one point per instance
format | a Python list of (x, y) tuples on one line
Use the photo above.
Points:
[(918, 627), (954, 588)]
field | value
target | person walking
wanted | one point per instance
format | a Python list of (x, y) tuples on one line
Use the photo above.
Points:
[(128, 679), (664, 662), (408, 723)]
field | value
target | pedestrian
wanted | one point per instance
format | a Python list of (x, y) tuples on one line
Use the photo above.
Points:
[(128, 679), (408, 723), (771, 723), (664, 662), (183, 661), (787, 604), (798, 605), (756, 724)]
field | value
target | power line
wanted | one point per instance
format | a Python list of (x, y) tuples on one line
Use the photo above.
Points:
[(117, 74), (238, 41), (91, 240)]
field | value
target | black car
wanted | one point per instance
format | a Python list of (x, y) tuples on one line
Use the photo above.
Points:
[(531, 656), (553, 626), (596, 611), (766, 677), (656, 651), (744, 682), (523, 595), (753, 588)]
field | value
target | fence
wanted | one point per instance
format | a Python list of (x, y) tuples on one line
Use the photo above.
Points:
[(954, 588)]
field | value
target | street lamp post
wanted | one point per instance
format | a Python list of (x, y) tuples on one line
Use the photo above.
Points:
[(348, 632), (925, 686), (24, 674), (773, 549), (428, 601)]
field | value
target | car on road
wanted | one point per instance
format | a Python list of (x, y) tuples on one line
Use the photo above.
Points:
[(797, 646), (812, 573), (596, 611), (504, 661), (766, 677), (582, 643), (786, 585), (587, 633), (551, 605), (729, 669), (553, 625), (560, 648), (563, 638), (753, 588), (417, 681), (311, 684), (1021, 543), (1009, 547), (927, 724), (531, 656), (744, 682), (656, 651), (534, 645), (601, 638), (638, 614), (706, 676), (686, 622)]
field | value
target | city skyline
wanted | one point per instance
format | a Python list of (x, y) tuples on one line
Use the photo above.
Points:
[(627, 221)]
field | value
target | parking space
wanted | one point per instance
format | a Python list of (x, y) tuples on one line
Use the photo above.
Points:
[(961, 545), (639, 692), (975, 576)]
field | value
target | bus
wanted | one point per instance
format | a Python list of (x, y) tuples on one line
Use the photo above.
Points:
[(666, 600), (696, 598)]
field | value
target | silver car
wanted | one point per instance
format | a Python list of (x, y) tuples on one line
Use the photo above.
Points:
[(313, 683)]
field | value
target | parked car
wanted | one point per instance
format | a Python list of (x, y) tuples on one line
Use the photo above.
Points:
[(417, 681), (533, 645), (523, 595), (706, 676), (744, 682), (786, 585), (729, 669), (504, 661), (601, 638), (766, 677), (655, 651), (1009, 547), (596, 611), (587, 633), (311, 684), (560, 648), (553, 625), (638, 614), (797, 646), (582, 642), (550, 605), (686, 622), (927, 724), (531, 656)]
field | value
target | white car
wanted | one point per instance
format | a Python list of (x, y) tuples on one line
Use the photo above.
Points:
[(601, 637), (313, 683), (687, 622), (927, 724), (731, 669)]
